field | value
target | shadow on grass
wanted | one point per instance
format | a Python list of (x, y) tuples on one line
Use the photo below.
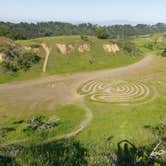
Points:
[(128, 154), (5, 161), (60, 153)]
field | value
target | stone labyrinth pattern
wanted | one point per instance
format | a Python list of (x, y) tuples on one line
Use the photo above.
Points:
[(120, 92)]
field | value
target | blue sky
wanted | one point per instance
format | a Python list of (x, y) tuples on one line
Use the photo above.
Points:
[(95, 11)]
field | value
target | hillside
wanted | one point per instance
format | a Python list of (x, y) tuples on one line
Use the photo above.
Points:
[(103, 102), (105, 111), (70, 54)]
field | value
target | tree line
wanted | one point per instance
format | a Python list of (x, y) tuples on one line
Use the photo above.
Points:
[(22, 30)]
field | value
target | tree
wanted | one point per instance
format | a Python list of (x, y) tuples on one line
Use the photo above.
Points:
[(102, 33)]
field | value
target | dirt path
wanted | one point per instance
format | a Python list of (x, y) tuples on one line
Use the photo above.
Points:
[(81, 127), (62, 90), (47, 51)]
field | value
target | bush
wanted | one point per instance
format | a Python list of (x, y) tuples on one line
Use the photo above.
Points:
[(84, 38), (149, 46), (164, 53), (129, 47), (20, 61), (102, 33), (16, 57)]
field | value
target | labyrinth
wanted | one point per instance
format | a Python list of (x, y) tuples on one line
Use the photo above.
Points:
[(119, 91)]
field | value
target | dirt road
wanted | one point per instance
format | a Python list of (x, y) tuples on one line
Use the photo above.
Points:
[(62, 90)]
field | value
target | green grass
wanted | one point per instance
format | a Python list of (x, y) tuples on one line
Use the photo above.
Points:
[(110, 121), (150, 44), (75, 61), (69, 119), (123, 122), (71, 62), (129, 121)]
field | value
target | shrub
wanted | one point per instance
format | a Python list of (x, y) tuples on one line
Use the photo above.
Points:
[(102, 33), (129, 47), (16, 57), (15, 61), (84, 38), (164, 53)]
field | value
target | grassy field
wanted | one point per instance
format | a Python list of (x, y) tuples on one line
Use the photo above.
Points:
[(138, 105), (16, 129)]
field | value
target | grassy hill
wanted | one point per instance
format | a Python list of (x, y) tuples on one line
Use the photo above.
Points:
[(95, 59), (115, 116)]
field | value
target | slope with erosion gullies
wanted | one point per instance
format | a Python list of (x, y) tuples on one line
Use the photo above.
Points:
[(69, 54), (72, 54)]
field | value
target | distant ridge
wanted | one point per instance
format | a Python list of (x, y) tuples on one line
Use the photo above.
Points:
[(44, 29)]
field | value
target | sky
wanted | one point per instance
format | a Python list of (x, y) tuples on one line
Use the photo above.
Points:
[(76, 11)]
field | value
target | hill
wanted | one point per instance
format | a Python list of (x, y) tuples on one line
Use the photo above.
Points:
[(116, 115), (69, 54)]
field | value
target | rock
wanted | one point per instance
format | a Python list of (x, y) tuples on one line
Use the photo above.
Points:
[(2, 56), (111, 48), (27, 48), (62, 48), (67, 48), (83, 48)]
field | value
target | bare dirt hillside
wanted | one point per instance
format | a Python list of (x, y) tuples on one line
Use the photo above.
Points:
[(111, 48), (67, 48)]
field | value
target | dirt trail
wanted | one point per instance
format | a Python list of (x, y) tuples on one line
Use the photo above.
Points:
[(81, 127), (47, 51), (62, 90)]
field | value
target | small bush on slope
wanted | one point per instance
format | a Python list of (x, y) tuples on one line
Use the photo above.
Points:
[(16, 57), (129, 47), (102, 33), (164, 53)]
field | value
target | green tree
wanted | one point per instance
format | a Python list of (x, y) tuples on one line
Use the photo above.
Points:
[(102, 33)]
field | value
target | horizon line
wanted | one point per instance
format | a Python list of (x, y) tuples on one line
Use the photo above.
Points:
[(77, 22)]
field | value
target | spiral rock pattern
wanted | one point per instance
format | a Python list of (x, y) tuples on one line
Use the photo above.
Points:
[(121, 92)]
